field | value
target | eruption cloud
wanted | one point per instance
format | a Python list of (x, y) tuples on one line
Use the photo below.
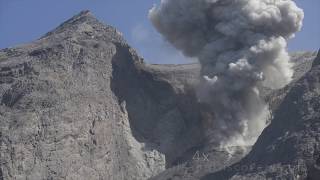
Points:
[(241, 46)]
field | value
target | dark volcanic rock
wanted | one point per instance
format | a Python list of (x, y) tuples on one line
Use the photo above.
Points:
[(316, 62), (302, 64), (218, 159), (289, 148)]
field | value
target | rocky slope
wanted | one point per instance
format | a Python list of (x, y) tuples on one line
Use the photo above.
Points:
[(79, 103), (60, 118), (289, 148), (216, 160)]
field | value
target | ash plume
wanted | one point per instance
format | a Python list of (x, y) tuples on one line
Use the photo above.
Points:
[(241, 46)]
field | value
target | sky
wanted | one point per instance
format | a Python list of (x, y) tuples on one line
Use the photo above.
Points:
[(23, 21)]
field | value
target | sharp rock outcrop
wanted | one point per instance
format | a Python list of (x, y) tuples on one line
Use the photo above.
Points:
[(316, 62), (79, 103)]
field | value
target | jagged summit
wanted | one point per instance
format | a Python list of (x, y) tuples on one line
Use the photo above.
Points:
[(86, 23), (85, 13)]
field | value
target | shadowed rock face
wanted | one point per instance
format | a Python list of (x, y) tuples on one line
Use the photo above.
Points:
[(203, 167), (316, 62), (289, 148), (79, 103)]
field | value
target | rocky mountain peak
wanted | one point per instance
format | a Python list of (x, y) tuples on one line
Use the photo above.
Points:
[(85, 24), (79, 103)]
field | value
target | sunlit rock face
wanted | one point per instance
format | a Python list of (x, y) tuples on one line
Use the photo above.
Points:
[(62, 115), (79, 103)]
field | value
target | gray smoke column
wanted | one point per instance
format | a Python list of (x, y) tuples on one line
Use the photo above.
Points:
[(241, 45)]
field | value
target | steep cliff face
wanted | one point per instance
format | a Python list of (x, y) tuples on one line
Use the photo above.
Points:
[(289, 148), (316, 62), (209, 159), (60, 118), (302, 64), (292, 139), (79, 103)]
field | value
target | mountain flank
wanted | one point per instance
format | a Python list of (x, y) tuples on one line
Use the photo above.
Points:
[(80, 103)]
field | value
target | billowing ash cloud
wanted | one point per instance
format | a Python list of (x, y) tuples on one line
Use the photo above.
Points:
[(241, 45)]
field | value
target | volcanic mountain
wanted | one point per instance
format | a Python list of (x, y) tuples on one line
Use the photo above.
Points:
[(80, 103)]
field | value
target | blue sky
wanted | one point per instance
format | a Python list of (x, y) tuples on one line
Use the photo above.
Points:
[(22, 21)]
